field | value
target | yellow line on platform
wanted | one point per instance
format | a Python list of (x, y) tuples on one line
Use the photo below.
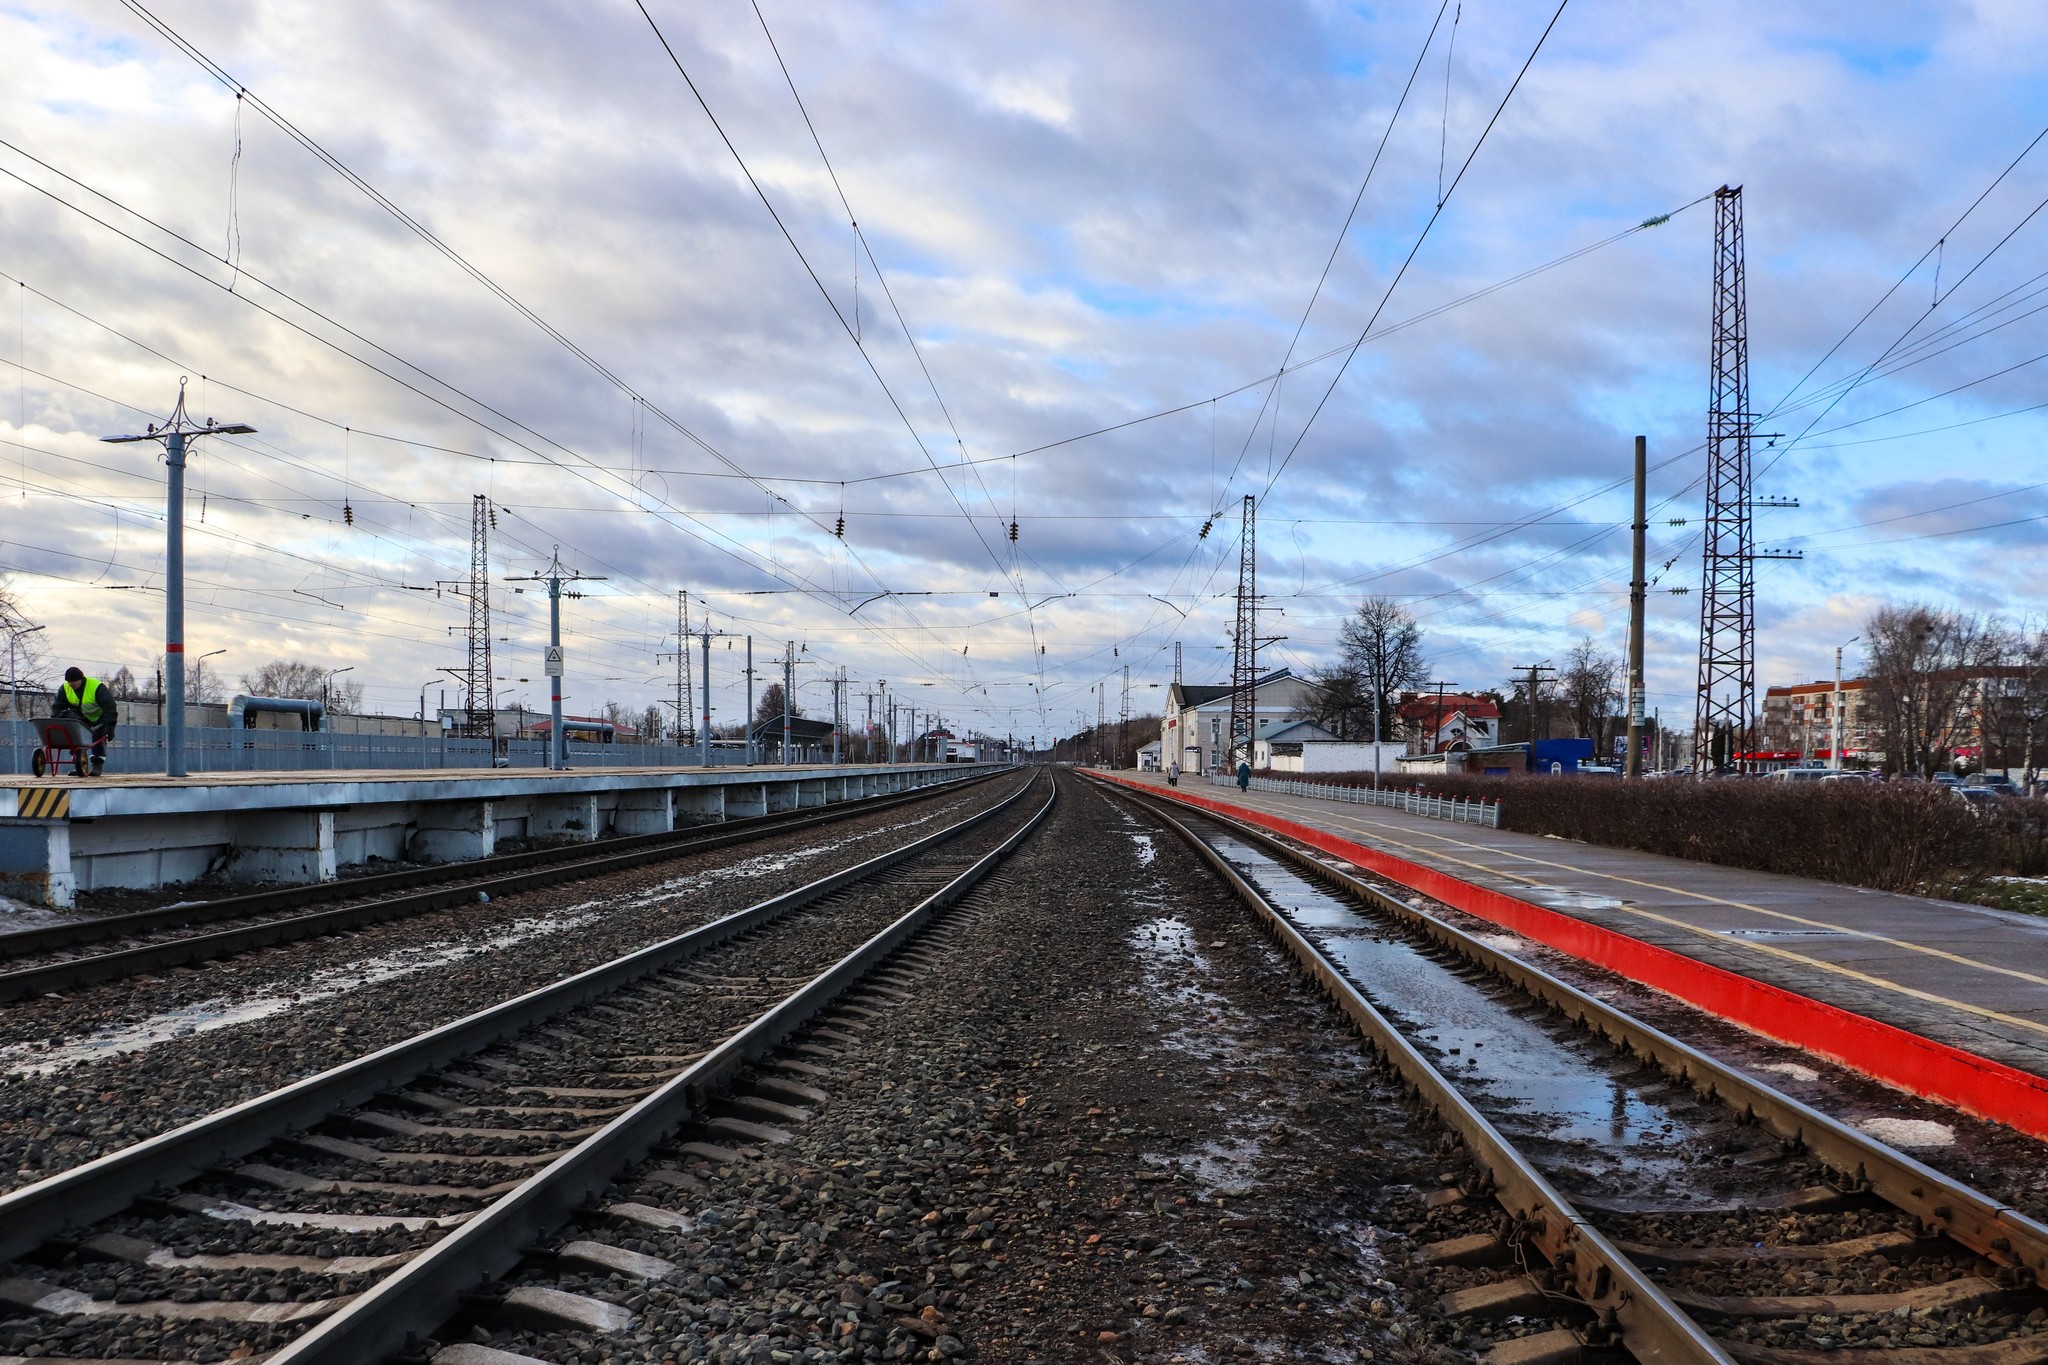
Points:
[(1765, 948)]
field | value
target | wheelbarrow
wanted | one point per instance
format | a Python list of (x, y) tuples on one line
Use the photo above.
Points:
[(62, 736)]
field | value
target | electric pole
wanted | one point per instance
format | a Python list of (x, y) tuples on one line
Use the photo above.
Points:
[(1535, 672), (1638, 587), (1436, 736), (1123, 721), (788, 682), (750, 701), (1724, 714), (683, 726), (555, 577), (175, 434), (1244, 655)]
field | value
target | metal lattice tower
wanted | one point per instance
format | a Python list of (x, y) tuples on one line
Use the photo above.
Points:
[(478, 723), (1123, 721), (1244, 654), (1101, 696), (1727, 678), (1176, 663), (686, 731)]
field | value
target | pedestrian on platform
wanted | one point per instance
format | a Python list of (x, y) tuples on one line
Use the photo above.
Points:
[(1244, 775), (91, 701), (1173, 774)]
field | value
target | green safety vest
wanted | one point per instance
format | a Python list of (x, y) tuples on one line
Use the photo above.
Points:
[(90, 705)]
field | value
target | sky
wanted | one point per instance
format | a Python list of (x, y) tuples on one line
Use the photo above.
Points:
[(613, 286)]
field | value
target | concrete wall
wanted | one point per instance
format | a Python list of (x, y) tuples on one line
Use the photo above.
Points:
[(294, 830)]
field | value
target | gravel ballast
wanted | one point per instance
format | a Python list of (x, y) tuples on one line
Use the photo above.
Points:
[(209, 1036)]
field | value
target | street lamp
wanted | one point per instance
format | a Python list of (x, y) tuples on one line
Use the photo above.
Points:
[(1835, 713), (327, 688), (174, 434), (198, 669)]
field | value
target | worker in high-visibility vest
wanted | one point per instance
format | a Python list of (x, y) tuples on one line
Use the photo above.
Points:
[(92, 702)]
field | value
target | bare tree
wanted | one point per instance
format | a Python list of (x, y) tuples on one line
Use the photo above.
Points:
[(306, 681), (2032, 717), (1591, 688), (202, 685), (30, 656), (1380, 653), (1926, 667), (652, 725), (769, 707)]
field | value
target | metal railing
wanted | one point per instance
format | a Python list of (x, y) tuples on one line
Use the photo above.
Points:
[(1456, 809), (140, 749)]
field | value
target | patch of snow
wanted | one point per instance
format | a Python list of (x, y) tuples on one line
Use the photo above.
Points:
[(1798, 1073), (225, 1012), (1909, 1132)]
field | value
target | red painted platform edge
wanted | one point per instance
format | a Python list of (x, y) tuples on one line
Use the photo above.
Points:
[(1884, 1052)]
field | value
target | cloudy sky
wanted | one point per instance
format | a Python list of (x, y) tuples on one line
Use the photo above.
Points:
[(573, 299)]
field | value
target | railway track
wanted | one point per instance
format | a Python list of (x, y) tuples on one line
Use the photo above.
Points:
[(172, 937), (349, 1216), (1621, 1193)]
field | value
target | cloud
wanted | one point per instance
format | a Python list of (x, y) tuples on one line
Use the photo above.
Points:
[(1086, 215)]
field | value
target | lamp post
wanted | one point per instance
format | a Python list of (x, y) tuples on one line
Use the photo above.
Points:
[(1835, 708), (174, 434), (14, 634), (327, 686), (199, 668)]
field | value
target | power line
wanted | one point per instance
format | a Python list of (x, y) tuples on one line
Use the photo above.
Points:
[(1387, 133), (1420, 238)]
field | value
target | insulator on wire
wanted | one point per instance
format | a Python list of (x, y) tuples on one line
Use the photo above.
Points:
[(1205, 529), (494, 518), (348, 515), (840, 528), (1013, 531)]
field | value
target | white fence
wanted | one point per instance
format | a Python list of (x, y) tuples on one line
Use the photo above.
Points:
[(140, 749), (1456, 809)]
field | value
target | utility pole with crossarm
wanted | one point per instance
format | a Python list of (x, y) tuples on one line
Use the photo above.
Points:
[(555, 577), (175, 434)]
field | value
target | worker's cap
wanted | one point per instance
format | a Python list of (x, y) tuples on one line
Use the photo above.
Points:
[(74, 675)]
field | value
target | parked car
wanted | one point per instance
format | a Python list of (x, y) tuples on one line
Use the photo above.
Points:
[(1976, 796), (1598, 770), (1853, 775), (1800, 774), (1993, 782), (1947, 779)]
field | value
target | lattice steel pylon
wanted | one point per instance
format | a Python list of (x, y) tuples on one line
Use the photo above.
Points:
[(1725, 711), (1244, 654), (478, 719), (1123, 721)]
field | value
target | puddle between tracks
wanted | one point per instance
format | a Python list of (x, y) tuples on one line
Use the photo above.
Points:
[(274, 998), (1552, 1094)]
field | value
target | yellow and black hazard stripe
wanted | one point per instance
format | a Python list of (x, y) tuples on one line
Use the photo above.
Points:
[(44, 803)]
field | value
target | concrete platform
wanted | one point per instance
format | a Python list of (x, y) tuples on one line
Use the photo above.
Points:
[(1968, 977), (60, 836)]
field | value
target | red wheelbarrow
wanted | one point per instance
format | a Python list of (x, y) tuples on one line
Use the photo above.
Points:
[(62, 736)]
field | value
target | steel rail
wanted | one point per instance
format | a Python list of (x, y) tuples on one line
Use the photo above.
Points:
[(26, 982), (426, 1292), (1862, 1164), (24, 942), (108, 1184), (1605, 1281)]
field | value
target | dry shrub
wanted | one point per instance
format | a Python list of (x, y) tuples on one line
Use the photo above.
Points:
[(1890, 836)]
